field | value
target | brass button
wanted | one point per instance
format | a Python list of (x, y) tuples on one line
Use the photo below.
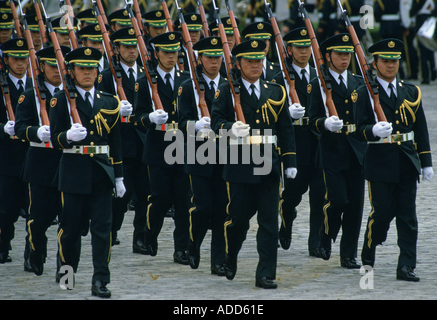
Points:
[(258, 132), (91, 121), (347, 112), (397, 111), (91, 155), (92, 143), (257, 111), (347, 122), (399, 143), (346, 101), (91, 132), (257, 121), (397, 121), (398, 132)]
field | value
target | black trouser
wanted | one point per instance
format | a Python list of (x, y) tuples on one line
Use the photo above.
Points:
[(209, 209), (136, 181), (168, 187), (244, 200), (13, 198), (294, 189), (97, 207), (45, 206), (344, 207), (394, 200)]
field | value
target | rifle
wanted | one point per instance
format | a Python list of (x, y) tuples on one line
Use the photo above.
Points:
[(199, 82), (203, 16), (366, 71), (42, 27), (322, 69), (138, 15), (283, 55), (234, 23), (71, 33), (232, 75), (16, 19), (37, 76), (67, 81), (171, 29), (114, 64), (5, 91), (147, 62)]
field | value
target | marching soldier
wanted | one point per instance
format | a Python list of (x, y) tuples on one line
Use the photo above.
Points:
[(168, 181), (398, 151), (328, 20), (154, 25), (6, 26), (32, 24), (41, 163), (91, 36), (90, 166), (194, 25), (340, 152), (86, 17), (309, 175), (125, 44), (62, 34), (13, 195), (252, 188), (208, 205), (119, 19), (262, 31)]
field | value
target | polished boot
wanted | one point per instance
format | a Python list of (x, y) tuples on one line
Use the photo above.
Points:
[(99, 289), (368, 256), (349, 263), (218, 270), (325, 246), (230, 267), (285, 237), (406, 273), (193, 255), (36, 262), (265, 283), (139, 247), (180, 257)]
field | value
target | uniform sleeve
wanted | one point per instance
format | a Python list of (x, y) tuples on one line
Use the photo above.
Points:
[(143, 103), (222, 109), (316, 110), (187, 106), (25, 126), (59, 121), (114, 142), (364, 115)]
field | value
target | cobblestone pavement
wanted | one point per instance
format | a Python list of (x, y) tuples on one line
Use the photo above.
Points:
[(299, 276)]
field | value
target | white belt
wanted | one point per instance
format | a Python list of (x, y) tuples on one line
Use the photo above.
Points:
[(91, 150), (304, 121), (396, 138), (390, 17), (355, 18), (253, 140), (348, 128), (41, 144), (167, 126)]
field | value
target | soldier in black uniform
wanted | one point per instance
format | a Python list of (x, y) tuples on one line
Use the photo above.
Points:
[(59, 25), (328, 20), (154, 25), (13, 193), (208, 205), (263, 31), (41, 164), (32, 24), (90, 166), (119, 19), (168, 181), (309, 175), (125, 43), (86, 17), (340, 152), (194, 26), (253, 186), (91, 36), (398, 151), (6, 26)]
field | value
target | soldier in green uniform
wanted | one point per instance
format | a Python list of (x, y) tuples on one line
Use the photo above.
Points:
[(90, 166), (309, 175), (398, 151), (253, 186), (41, 164), (119, 19), (208, 205), (340, 152), (91, 36)]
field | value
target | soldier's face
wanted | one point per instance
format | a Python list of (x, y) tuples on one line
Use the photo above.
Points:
[(5, 35), (301, 55), (128, 54), (211, 65), (231, 40), (339, 61), (167, 60), (84, 77), (63, 39), (154, 31), (94, 44), (195, 36), (251, 69), (36, 38), (386, 69), (51, 74), (17, 66)]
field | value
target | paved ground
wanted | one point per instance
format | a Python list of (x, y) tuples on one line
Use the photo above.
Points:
[(299, 276)]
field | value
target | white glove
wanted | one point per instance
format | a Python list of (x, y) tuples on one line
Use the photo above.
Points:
[(9, 128), (296, 111), (43, 133), (120, 189), (158, 116), (76, 133), (382, 129), (427, 173), (291, 173), (333, 124), (240, 129), (125, 108), (202, 124)]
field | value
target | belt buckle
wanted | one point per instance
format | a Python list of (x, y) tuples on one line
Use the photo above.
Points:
[(256, 139), (89, 149)]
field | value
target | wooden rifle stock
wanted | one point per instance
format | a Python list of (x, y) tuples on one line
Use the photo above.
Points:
[(112, 57), (16, 19), (70, 27), (167, 15), (289, 77), (42, 28), (230, 69), (234, 24), (205, 27), (200, 86), (319, 61), (138, 16), (6, 94), (365, 67), (66, 79), (146, 61)]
